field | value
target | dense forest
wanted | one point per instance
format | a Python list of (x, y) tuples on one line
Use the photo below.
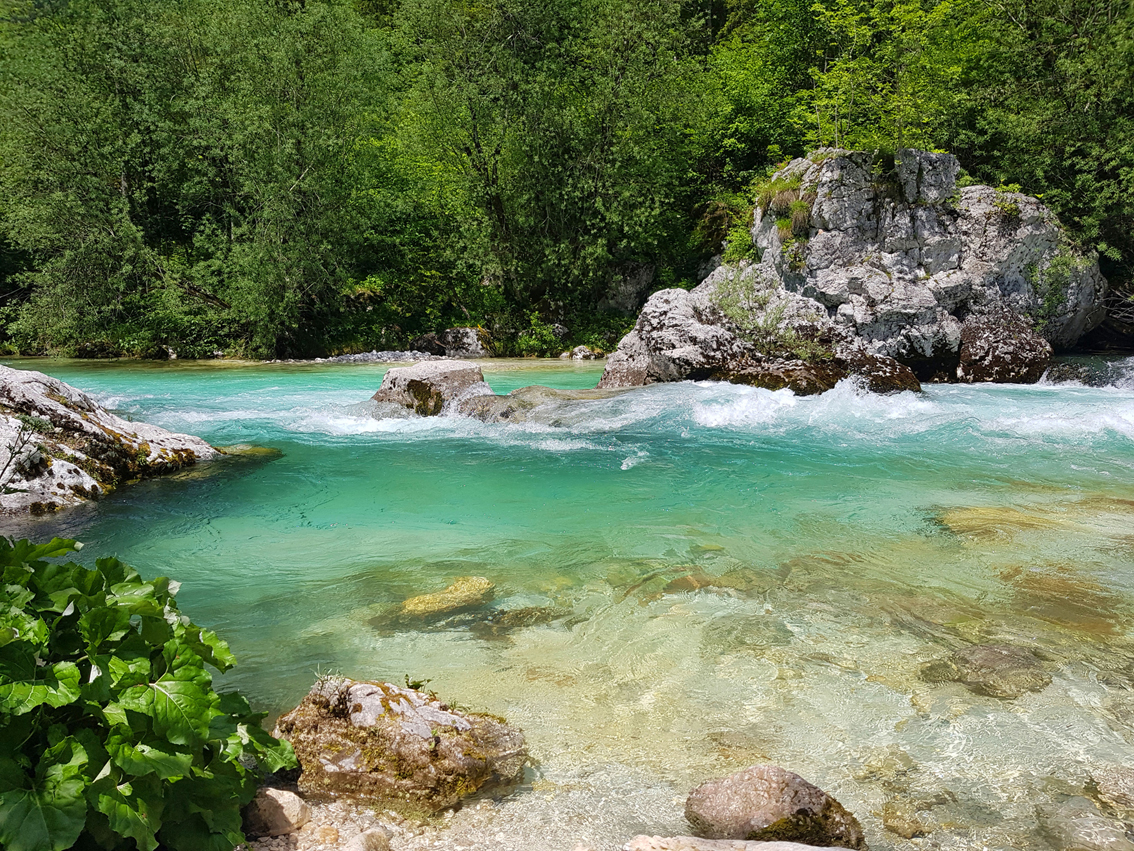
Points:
[(284, 178)]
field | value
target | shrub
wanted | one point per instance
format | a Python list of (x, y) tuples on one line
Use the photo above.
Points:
[(111, 735)]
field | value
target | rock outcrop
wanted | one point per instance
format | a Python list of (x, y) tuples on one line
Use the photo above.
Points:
[(766, 802), (59, 448), (887, 259), (433, 387), (397, 746), (452, 343)]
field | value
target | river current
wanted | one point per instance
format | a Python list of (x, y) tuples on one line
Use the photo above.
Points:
[(718, 576)]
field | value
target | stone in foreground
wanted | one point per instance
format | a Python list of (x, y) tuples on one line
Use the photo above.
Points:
[(433, 387), (59, 448), (398, 746), (275, 812), (766, 802), (694, 843)]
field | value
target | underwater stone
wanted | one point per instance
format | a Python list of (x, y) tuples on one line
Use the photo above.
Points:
[(1075, 825), (693, 843), (993, 670), (1116, 785), (467, 592), (398, 746), (766, 802)]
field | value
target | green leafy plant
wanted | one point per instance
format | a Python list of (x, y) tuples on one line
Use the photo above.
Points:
[(111, 734)]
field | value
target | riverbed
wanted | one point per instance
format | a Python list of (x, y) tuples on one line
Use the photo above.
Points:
[(727, 576)]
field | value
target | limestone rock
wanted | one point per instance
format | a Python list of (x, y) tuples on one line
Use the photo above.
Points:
[(993, 670), (465, 593), (428, 343), (693, 843), (463, 343), (896, 256), (433, 387), (1076, 825), (1000, 346), (766, 802), (584, 353), (398, 746), (275, 812), (58, 448)]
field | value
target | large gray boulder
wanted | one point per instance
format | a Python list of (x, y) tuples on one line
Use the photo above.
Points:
[(432, 387), (59, 448), (766, 802), (887, 258), (392, 745)]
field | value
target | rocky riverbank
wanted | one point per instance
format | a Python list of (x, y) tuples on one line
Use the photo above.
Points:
[(59, 448)]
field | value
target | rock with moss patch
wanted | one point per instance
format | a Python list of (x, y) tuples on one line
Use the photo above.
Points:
[(59, 448), (398, 746), (432, 387), (766, 802), (892, 254)]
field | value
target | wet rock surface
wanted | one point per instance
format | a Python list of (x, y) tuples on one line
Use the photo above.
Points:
[(400, 746), (1077, 825), (1003, 347), (993, 670), (1116, 785), (766, 802), (433, 387), (896, 256), (59, 448), (521, 404)]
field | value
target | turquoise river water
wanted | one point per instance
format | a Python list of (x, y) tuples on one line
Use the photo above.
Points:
[(720, 576)]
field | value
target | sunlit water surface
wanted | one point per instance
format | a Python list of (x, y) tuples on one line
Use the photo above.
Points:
[(738, 575)]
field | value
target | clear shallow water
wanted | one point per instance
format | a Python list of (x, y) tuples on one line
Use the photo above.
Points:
[(739, 576)]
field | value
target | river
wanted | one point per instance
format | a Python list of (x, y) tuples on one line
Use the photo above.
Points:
[(729, 576)]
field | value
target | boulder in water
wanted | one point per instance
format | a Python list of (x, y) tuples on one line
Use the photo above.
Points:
[(398, 746), (59, 448), (433, 387), (1001, 346), (767, 802)]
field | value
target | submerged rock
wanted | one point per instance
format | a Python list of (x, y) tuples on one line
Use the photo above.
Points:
[(1076, 825), (433, 387), (398, 746), (770, 803), (465, 593), (694, 843), (519, 405), (892, 260), (59, 448), (1116, 785), (993, 670)]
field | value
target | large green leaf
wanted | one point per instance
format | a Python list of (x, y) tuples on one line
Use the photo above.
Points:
[(133, 809), (139, 759), (24, 684), (181, 709), (49, 816)]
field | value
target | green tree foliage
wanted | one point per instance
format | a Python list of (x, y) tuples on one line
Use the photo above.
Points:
[(111, 735), (566, 121)]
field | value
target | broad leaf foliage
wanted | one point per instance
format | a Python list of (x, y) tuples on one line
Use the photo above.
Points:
[(111, 734)]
